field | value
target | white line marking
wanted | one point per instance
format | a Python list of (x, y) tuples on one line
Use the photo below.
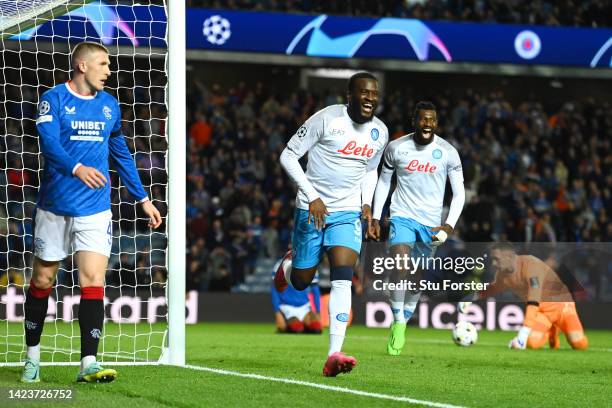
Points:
[(322, 387)]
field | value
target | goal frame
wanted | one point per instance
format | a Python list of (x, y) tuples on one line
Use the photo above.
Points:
[(173, 352)]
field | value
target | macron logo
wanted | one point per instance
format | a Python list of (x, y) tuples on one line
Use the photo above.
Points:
[(70, 111)]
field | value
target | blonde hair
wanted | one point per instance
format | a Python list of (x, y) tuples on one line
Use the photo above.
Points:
[(83, 49)]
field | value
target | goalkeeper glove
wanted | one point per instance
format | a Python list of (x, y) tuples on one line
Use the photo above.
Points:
[(520, 341)]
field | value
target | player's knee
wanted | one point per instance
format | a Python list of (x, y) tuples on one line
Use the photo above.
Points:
[(298, 282), (295, 326), (536, 340), (578, 341), (341, 273), (44, 273)]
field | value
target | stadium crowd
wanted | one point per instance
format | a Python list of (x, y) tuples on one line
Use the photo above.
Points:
[(530, 175), (586, 13)]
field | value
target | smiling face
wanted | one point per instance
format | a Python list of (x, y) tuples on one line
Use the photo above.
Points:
[(363, 99), (96, 68), (425, 124)]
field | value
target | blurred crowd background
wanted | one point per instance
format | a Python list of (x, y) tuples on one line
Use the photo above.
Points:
[(589, 13), (532, 174)]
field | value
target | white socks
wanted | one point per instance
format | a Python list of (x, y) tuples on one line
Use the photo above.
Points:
[(33, 352), (86, 361), (403, 305), (339, 311), (396, 298), (410, 304), (287, 269)]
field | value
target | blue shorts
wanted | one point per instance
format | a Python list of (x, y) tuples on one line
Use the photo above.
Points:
[(342, 228), (417, 236)]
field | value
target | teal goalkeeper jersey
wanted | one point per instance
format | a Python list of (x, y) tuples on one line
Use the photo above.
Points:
[(77, 129)]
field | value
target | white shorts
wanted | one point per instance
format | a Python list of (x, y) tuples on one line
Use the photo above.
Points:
[(57, 236), (299, 312)]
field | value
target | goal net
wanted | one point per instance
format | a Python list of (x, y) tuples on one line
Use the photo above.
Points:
[(37, 37)]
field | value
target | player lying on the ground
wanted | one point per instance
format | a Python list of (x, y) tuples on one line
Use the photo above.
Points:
[(550, 305), (79, 127), (344, 145), (293, 310), (422, 161)]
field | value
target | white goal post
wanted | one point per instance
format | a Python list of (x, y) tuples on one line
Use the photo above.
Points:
[(145, 287)]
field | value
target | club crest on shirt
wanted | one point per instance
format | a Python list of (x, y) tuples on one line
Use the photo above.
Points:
[(374, 133), (44, 108), (39, 246), (107, 112), (302, 132), (437, 153)]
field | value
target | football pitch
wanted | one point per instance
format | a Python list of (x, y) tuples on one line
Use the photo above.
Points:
[(235, 365)]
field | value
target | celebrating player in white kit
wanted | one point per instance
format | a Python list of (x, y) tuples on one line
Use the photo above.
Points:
[(422, 161), (344, 146), (79, 126)]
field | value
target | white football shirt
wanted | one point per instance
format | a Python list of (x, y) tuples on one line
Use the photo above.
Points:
[(340, 153), (421, 179)]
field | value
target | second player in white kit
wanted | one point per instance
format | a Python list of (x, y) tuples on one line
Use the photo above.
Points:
[(422, 162)]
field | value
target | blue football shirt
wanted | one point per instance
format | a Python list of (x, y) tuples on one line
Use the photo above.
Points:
[(75, 129)]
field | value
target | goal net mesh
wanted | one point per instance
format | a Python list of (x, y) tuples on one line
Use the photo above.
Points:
[(37, 37)]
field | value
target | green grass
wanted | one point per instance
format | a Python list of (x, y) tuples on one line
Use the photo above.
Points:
[(431, 368)]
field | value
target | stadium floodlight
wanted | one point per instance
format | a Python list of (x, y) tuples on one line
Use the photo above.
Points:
[(36, 38)]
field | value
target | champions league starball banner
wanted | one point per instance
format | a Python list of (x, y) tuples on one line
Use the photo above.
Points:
[(395, 38), (334, 36)]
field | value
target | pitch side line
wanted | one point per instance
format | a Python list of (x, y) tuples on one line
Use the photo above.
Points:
[(322, 387)]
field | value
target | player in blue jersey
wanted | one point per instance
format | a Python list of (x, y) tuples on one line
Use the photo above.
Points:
[(293, 310), (79, 127)]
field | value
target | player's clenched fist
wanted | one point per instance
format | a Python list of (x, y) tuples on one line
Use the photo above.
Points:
[(91, 176)]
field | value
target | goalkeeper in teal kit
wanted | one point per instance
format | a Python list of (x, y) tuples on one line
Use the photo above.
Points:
[(79, 127)]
